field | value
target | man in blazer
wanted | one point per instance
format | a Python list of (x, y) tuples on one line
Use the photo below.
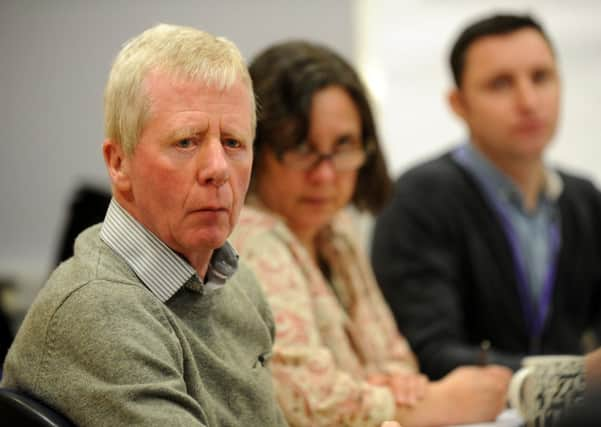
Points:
[(487, 253)]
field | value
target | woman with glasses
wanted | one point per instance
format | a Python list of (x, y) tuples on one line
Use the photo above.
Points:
[(338, 358)]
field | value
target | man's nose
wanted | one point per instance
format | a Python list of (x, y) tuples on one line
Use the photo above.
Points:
[(526, 95), (213, 166)]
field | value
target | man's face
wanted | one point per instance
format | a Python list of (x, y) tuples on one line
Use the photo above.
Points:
[(187, 178), (509, 96)]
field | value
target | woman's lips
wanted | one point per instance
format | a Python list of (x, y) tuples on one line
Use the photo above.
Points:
[(315, 201)]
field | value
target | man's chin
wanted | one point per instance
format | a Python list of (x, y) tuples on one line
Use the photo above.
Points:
[(204, 240), (532, 150), (211, 242)]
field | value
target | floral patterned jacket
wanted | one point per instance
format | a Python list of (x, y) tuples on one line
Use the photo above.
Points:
[(330, 336)]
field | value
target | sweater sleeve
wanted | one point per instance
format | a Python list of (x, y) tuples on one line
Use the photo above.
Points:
[(125, 365), (311, 389)]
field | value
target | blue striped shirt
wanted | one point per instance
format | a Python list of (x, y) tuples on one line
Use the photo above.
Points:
[(160, 268)]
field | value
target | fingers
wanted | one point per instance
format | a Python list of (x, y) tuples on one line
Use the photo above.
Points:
[(499, 371), (408, 389), (402, 387), (500, 377), (390, 424), (399, 388), (378, 379), (422, 386)]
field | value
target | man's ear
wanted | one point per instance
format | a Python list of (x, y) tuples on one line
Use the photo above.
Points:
[(117, 164), (457, 103)]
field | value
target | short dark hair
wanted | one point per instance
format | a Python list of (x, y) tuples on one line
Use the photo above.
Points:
[(285, 77), (492, 25)]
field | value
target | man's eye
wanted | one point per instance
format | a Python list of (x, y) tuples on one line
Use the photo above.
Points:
[(500, 83), (232, 143), (184, 143), (541, 76)]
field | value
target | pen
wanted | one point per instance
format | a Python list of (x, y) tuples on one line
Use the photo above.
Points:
[(483, 355)]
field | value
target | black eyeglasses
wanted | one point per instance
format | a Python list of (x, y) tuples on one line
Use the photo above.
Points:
[(346, 157)]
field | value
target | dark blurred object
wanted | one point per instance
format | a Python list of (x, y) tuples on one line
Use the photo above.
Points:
[(88, 207), (589, 341), (585, 414), (6, 336), (19, 409)]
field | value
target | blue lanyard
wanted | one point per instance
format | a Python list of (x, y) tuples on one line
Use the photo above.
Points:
[(535, 312)]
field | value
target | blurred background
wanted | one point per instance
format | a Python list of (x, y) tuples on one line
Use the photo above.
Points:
[(55, 57)]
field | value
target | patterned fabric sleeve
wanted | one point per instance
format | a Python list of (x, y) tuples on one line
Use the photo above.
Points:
[(311, 388)]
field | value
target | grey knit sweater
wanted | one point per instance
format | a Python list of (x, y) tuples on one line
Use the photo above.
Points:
[(103, 350)]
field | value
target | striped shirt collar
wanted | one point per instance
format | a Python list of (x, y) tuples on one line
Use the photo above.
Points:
[(161, 270)]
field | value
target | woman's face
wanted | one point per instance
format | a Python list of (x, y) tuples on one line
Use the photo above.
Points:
[(308, 199)]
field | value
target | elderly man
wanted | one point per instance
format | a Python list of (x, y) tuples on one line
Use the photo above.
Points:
[(152, 321), (487, 253)]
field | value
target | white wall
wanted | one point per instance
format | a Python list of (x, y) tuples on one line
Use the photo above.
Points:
[(402, 51), (55, 56)]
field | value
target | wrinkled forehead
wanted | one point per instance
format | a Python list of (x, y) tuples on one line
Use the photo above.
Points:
[(169, 86)]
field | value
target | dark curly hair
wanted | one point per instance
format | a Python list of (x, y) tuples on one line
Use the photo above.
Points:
[(285, 77)]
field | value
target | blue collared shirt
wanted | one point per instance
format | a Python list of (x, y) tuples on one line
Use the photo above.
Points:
[(161, 269), (532, 229)]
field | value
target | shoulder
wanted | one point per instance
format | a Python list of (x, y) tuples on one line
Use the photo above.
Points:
[(77, 321), (433, 171), (270, 251), (577, 186), (437, 184), (579, 198), (92, 294), (259, 233), (94, 280), (95, 289), (96, 307), (100, 297), (346, 227), (440, 178)]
